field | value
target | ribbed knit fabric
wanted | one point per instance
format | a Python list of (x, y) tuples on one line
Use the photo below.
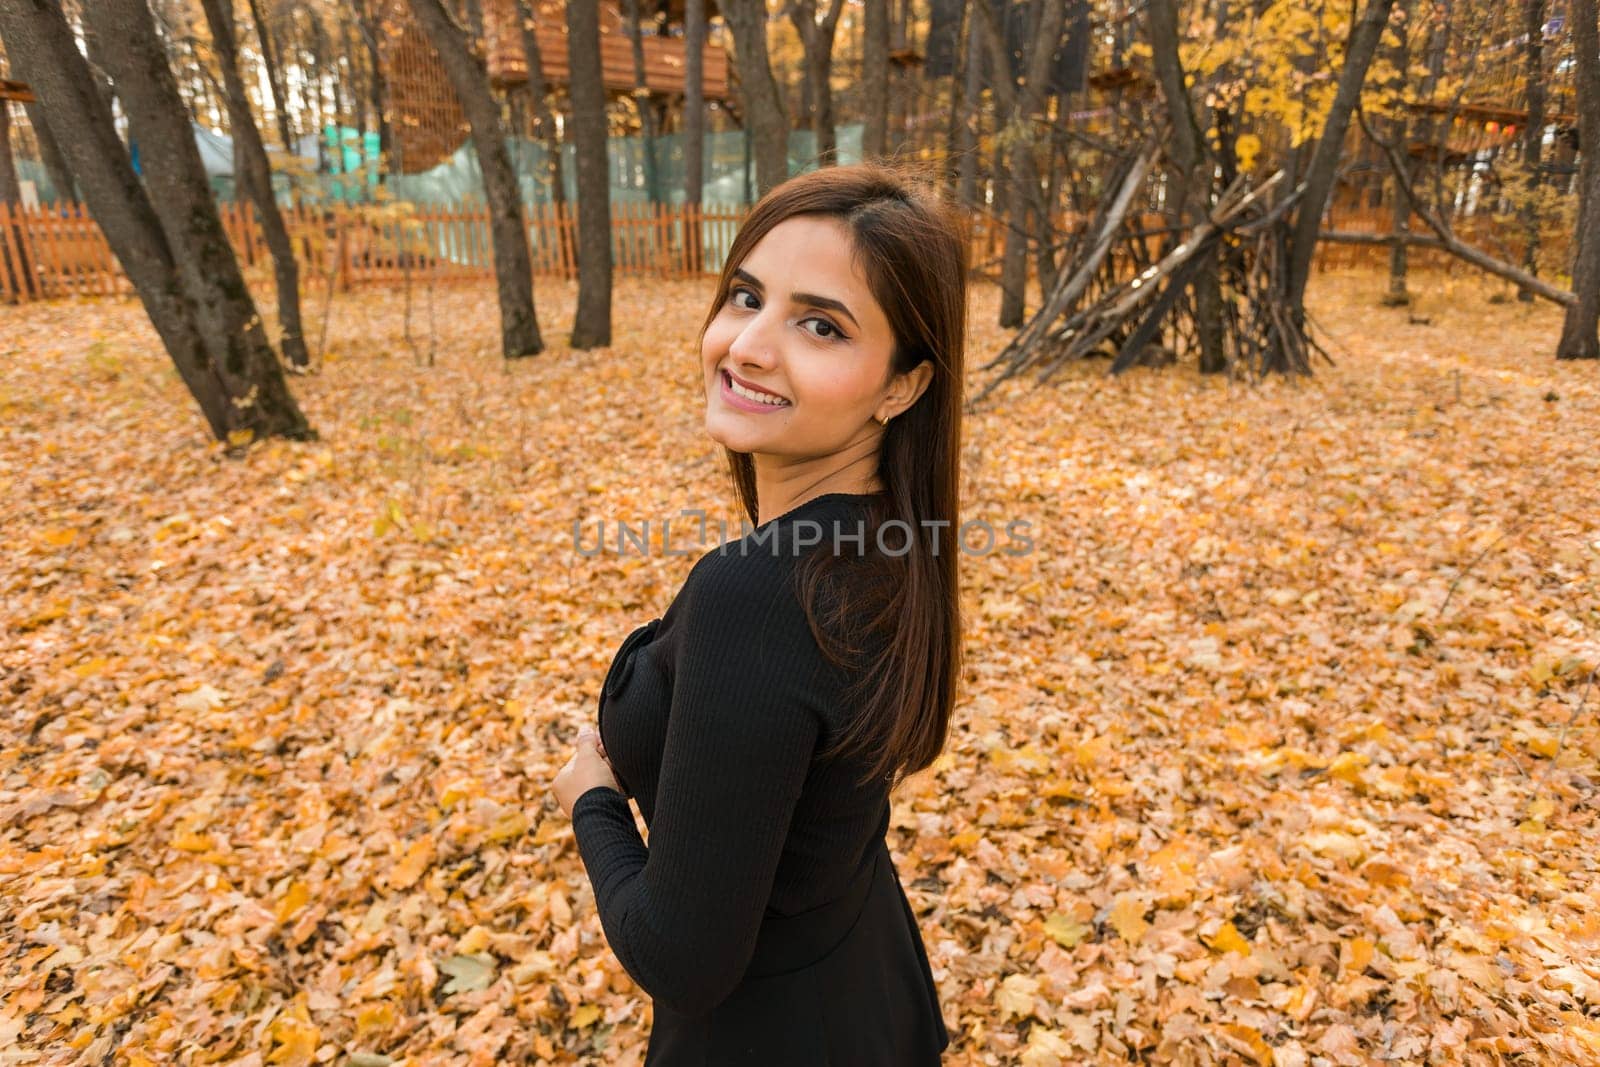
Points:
[(712, 716)]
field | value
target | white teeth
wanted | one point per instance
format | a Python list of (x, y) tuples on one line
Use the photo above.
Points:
[(751, 394)]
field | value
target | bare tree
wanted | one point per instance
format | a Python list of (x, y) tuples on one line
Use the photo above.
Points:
[(539, 99), (694, 120), (875, 79), (971, 118), (257, 177), (14, 264), (178, 259), (591, 327), (1321, 172), (1579, 339), (10, 187), (55, 163), (1533, 136), (643, 101), (1190, 169), (367, 19), (1023, 106), (275, 83), (513, 267), (765, 118), (816, 39)]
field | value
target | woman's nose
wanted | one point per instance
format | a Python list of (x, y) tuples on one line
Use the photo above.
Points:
[(755, 344)]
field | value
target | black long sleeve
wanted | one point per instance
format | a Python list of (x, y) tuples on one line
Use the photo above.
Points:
[(683, 914)]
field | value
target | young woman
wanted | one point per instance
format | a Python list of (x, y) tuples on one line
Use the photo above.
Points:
[(803, 670)]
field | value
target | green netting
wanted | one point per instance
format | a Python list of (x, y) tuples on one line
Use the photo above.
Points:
[(729, 172)]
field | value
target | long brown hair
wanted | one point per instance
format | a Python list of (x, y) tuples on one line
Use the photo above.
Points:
[(897, 616)]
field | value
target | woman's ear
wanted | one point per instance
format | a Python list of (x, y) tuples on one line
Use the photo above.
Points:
[(907, 387)]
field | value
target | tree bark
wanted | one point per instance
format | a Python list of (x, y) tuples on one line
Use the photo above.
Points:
[(367, 19), (538, 93), (513, 268), (1398, 294), (1533, 135), (234, 378), (1323, 168), (256, 174), (642, 102), (13, 265), (764, 114), (694, 123), (972, 120), (816, 39), (591, 327), (269, 59), (1191, 178), (875, 79), (1022, 107), (957, 130), (10, 186), (1579, 337), (357, 114), (181, 193), (50, 155)]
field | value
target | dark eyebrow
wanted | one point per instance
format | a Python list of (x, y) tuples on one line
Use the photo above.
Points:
[(813, 299)]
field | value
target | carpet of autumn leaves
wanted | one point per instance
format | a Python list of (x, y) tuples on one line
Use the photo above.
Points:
[(1277, 749)]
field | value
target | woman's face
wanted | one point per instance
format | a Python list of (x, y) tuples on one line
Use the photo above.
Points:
[(800, 324)]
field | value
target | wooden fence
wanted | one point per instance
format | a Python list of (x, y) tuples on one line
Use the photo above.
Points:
[(54, 252), (1503, 239)]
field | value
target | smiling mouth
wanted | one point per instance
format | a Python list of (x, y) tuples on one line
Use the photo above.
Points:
[(754, 398)]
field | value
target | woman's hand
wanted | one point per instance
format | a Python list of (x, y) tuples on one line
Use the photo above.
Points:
[(586, 769)]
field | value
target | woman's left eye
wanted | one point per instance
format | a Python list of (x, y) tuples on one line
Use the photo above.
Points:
[(833, 330)]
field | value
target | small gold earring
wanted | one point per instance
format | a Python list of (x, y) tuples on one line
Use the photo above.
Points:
[(884, 419)]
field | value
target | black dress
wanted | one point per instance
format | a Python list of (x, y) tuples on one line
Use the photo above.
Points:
[(765, 918)]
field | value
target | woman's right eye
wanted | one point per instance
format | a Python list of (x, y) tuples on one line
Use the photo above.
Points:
[(734, 296)]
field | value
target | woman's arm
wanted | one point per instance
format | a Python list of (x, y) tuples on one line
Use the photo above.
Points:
[(682, 915)]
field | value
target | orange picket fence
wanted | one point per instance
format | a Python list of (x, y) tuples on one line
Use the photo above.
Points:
[(1503, 238), (58, 251), (52, 252)]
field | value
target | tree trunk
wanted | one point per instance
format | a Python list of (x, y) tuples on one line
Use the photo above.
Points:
[(10, 187), (50, 155), (233, 375), (1579, 337), (17, 269), (817, 38), (1323, 168), (356, 115), (370, 28), (269, 59), (694, 123), (311, 85), (1022, 107), (538, 92), (1533, 135), (957, 128), (1400, 218), (256, 175), (1191, 178), (591, 327), (972, 119), (181, 193), (764, 114), (875, 80), (642, 102), (513, 268)]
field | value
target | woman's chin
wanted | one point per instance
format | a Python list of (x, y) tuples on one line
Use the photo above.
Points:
[(727, 428)]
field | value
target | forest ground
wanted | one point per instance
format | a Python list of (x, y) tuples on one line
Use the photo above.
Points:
[(1278, 747)]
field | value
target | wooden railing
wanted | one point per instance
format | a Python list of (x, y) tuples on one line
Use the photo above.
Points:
[(57, 252), (53, 252)]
